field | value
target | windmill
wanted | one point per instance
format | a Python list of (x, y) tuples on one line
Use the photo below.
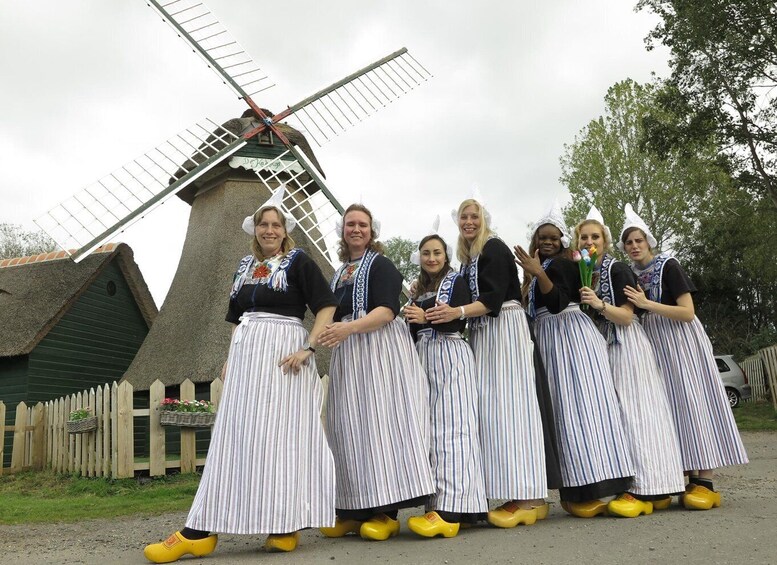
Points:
[(224, 172)]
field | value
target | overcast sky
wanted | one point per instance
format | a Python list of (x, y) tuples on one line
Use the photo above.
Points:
[(88, 85)]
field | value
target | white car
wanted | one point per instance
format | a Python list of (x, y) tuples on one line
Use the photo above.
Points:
[(734, 380)]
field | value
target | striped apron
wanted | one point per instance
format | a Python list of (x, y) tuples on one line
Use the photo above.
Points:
[(378, 419), (646, 414), (269, 469), (593, 445), (510, 424), (455, 448), (708, 435)]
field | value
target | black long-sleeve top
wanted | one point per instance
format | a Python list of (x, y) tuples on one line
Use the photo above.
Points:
[(306, 287), (565, 276), (459, 297), (497, 276), (385, 286)]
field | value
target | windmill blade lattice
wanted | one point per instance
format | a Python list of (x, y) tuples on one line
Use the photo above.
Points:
[(307, 198), (333, 110), (90, 217), (196, 24)]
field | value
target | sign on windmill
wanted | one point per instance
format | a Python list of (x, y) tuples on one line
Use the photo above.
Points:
[(224, 172)]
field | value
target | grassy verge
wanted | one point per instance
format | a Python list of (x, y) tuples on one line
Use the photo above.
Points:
[(756, 416), (45, 497)]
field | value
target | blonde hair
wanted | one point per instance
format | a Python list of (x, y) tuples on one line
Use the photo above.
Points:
[(342, 247), (606, 248), (465, 250), (286, 245)]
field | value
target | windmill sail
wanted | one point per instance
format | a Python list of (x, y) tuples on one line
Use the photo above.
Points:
[(90, 217), (199, 28), (333, 110)]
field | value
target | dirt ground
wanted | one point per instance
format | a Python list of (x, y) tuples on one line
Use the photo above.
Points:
[(743, 530)]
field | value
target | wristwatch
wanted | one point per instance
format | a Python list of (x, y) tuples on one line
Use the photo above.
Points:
[(308, 347)]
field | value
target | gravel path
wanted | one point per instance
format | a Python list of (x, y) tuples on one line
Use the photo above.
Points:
[(743, 530)]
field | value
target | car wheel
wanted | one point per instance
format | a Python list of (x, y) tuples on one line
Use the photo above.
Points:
[(733, 397)]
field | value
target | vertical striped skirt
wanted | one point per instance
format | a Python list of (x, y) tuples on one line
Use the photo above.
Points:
[(269, 469), (593, 445), (378, 419), (708, 435), (453, 402), (646, 414), (510, 425)]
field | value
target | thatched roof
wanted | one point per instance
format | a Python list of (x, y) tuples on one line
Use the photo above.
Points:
[(36, 291)]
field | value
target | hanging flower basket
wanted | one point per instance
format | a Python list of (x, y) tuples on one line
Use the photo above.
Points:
[(187, 419), (82, 426)]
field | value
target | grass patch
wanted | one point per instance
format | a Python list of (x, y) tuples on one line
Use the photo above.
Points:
[(755, 416), (45, 497)]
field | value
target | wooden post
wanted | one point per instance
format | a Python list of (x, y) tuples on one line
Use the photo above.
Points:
[(80, 463), (2, 435), (105, 426), (38, 437), (769, 355), (216, 388), (70, 441), (91, 443), (114, 430), (18, 451), (49, 417), (157, 450), (125, 433), (188, 439), (55, 435)]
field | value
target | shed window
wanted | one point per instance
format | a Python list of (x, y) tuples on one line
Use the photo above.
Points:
[(110, 288)]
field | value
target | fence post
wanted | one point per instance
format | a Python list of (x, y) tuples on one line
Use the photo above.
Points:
[(125, 432), (91, 444), (38, 437), (157, 450), (18, 450), (769, 355), (216, 388), (105, 426), (2, 435), (188, 439)]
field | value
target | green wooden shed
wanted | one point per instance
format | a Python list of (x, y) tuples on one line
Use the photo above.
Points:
[(66, 327)]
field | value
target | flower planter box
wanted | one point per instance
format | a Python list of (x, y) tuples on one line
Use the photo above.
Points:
[(81, 426), (187, 419)]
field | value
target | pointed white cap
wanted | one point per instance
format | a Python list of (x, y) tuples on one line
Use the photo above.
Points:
[(475, 194), (554, 217), (276, 200), (595, 214), (415, 256), (634, 221)]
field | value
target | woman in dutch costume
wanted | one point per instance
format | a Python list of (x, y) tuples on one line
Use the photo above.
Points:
[(378, 409), (593, 445), (269, 469), (641, 391), (706, 429), (453, 399), (511, 427)]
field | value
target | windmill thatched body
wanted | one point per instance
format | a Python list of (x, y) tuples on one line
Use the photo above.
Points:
[(190, 338)]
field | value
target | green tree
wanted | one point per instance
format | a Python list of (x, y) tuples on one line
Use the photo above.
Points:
[(732, 259), (17, 242), (399, 249), (606, 166), (722, 87)]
